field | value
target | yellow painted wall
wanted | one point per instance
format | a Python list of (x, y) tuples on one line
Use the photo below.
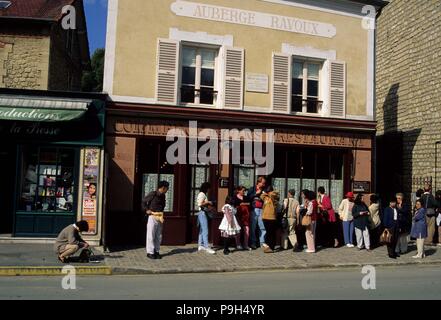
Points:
[(141, 22)]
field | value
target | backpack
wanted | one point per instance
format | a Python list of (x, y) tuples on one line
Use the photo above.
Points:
[(85, 255)]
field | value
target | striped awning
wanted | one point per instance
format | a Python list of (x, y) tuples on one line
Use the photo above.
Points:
[(21, 108)]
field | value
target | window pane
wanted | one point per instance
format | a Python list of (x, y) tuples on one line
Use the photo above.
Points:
[(297, 70), (207, 95), (312, 106), (244, 176), (313, 70), (297, 104), (187, 94), (297, 86), (189, 57), (48, 181), (29, 179), (208, 58), (323, 165), (188, 75), (207, 77), (308, 164), (313, 88)]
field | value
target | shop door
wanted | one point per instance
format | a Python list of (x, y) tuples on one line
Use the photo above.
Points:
[(7, 162)]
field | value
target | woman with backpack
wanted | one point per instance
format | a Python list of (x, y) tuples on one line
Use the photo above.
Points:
[(290, 220)]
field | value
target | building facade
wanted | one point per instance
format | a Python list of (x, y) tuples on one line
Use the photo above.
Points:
[(304, 69), (52, 142), (408, 94), (36, 52)]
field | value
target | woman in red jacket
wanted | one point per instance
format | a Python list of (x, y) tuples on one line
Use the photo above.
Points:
[(328, 213)]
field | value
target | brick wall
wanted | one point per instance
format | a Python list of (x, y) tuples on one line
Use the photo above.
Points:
[(408, 93), (24, 62)]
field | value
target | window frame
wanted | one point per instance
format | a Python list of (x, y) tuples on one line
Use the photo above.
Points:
[(198, 73), (75, 177), (305, 78)]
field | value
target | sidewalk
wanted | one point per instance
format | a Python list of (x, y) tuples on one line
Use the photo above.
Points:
[(188, 260), (39, 259)]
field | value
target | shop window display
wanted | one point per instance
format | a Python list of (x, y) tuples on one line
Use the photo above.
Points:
[(48, 181)]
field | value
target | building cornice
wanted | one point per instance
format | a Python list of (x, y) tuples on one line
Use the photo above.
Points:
[(238, 117)]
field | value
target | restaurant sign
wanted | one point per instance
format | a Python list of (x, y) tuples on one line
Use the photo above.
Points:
[(253, 19)]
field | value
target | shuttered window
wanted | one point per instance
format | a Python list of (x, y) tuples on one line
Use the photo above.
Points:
[(305, 86), (167, 71), (337, 88), (233, 78), (198, 71)]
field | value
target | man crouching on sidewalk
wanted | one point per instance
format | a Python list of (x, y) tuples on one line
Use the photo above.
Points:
[(69, 240), (153, 205)]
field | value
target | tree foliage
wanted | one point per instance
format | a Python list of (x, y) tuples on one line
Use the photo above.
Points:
[(93, 80)]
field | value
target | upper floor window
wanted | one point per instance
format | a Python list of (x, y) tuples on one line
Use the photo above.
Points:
[(198, 75), (306, 87)]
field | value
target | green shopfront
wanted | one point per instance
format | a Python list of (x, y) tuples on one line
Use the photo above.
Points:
[(52, 162)]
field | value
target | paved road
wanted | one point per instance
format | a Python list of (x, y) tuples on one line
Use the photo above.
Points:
[(410, 282)]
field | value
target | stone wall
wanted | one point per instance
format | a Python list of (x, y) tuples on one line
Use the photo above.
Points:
[(24, 62), (408, 93)]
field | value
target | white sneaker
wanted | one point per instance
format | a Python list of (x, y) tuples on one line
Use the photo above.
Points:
[(202, 248), (351, 246), (309, 251), (239, 248), (210, 251), (417, 257)]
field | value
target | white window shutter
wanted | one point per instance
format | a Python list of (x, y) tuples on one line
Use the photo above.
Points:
[(167, 71), (234, 64), (281, 83), (337, 89)]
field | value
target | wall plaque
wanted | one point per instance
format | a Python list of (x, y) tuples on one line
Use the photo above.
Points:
[(256, 82)]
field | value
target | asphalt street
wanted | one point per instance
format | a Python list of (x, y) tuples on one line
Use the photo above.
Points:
[(407, 282)]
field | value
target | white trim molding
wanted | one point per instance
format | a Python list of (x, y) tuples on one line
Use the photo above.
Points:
[(309, 52), (201, 37), (130, 99), (344, 8), (109, 65)]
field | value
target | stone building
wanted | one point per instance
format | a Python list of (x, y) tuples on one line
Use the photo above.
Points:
[(36, 52), (408, 95)]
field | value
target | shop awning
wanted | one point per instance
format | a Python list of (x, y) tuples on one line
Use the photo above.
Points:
[(19, 108)]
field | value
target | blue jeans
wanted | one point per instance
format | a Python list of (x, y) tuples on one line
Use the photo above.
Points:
[(256, 220), (203, 229), (348, 231)]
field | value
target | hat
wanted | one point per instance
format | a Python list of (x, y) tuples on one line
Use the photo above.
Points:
[(350, 195)]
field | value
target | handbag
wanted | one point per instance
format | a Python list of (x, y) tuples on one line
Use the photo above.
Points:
[(386, 237), (306, 221)]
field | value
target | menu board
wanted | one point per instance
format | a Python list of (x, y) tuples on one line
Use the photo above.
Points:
[(91, 171)]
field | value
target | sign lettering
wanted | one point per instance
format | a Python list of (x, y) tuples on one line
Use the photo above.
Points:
[(253, 18)]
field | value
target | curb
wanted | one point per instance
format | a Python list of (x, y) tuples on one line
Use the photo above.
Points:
[(302, 267), (53, 271)]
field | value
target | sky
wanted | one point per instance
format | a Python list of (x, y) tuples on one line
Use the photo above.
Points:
[(96, 15)]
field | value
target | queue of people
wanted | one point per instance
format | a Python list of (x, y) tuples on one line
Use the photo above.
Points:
[(255, 218)]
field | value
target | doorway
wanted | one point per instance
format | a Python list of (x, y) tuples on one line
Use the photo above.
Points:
[(8, 156)]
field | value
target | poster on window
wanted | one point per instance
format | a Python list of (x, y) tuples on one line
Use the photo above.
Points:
[(90, 188)]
